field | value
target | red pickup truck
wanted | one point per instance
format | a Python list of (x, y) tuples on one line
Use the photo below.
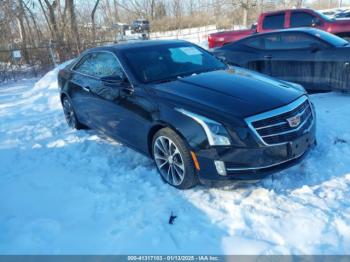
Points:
[(285, 19)]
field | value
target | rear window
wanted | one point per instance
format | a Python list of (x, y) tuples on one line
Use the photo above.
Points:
[(299, 19), (254, 43), (290, 41), (329, 38), (274, 21)]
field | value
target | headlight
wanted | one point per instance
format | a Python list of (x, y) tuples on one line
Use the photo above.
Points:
[(216, 133)]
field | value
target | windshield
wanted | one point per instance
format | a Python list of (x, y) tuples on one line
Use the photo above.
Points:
[(168, 62), (330, 38)]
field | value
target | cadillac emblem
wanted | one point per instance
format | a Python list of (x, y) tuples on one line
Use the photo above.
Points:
[(293, 121)]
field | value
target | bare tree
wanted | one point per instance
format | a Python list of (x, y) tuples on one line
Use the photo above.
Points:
[(34, 21), (51, 19), (299, 3), (93, 20), (73, 23), (22, 31)]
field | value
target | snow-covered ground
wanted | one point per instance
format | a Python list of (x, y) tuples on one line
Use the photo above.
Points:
[(197, 35), (72, 192)]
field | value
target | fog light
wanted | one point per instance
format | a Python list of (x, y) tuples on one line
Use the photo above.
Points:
[(220, 168)]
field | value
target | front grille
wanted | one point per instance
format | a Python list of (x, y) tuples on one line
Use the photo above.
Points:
[(273, 127)]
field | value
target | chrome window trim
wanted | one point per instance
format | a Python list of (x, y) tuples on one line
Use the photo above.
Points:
[(276, 112), (98, 78)]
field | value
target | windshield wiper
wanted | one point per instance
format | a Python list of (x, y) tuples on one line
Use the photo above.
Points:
[(201, 72), (210, 70), (171, 79), (166, 80)]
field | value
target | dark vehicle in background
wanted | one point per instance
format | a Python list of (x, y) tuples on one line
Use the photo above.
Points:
[(140, 26), (344, 14), (313, 58), (196, 117), (284, 19)]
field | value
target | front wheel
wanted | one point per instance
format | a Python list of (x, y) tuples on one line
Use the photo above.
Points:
[(173, 159), (69, 114)]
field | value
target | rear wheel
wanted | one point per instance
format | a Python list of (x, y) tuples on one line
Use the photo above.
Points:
[(173, 159), (69, 114)]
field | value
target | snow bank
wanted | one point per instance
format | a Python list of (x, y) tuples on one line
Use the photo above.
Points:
[(73, 192)]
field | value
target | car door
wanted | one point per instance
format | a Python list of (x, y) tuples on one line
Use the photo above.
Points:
[(304, 19), (115, 107), (291, 56), (82, 79), (253, 56), (245, 53)]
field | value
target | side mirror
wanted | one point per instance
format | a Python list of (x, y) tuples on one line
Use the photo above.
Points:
[(316, 22), (254, 27), (120, 82), (222, 58)]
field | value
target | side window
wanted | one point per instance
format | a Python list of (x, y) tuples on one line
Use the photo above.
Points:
[(273, 42), (290, 41), (106, 65), (257, 43), (99, 64), (299, 19), (85, 65), (274, 21)]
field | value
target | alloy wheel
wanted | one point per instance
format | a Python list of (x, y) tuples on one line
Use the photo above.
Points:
[(69, 113), (169, 160)]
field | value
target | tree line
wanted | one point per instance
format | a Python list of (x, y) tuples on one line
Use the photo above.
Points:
[(73, 25)]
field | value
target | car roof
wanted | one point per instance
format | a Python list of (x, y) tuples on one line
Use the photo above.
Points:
[(134, 44), (288, 10), (307, 30), (297, 29)]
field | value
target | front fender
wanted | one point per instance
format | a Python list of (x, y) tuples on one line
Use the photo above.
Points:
[(186, 127)]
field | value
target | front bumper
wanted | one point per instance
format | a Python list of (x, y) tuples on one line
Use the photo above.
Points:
[(254, 163)]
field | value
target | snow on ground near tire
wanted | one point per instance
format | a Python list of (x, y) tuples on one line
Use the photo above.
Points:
[(72, 192)]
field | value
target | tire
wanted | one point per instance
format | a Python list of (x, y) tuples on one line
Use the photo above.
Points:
[(171, 156), (70, 115)]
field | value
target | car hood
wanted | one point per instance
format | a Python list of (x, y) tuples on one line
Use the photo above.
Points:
[(237, 92)]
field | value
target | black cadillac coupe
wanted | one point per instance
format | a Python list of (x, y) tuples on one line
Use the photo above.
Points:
[(318, 60), (199, 119)]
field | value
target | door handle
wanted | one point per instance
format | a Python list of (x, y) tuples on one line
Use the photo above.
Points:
[(268, 56), (86, 88)]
